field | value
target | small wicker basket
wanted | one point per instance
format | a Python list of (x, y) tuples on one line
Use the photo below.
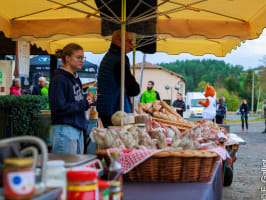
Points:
[(172, 166)]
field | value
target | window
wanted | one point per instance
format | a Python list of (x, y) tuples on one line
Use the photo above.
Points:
[(194, 102)]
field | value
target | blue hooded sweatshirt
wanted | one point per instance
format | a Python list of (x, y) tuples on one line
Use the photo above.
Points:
[(67, 103)]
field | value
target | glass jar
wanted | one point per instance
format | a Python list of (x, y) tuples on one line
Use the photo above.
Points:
[(56, 175), (103, 190), (82, 185), (19, 178), (115, 192)]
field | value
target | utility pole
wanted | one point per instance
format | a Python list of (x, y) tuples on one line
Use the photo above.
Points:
[(258, 99), (252, 95)]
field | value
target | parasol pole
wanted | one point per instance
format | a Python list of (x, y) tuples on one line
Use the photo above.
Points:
[(141, 70), (123, 33), (141, 77), (134, 66)]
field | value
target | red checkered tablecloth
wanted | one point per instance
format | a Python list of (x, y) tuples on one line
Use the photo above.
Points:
[(129, 158)]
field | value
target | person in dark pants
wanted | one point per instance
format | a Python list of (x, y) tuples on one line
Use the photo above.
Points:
[(220, 111), (244, 110), (179, 104), (109, 80)]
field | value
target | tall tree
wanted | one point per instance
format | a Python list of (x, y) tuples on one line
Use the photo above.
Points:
[(231, 84)]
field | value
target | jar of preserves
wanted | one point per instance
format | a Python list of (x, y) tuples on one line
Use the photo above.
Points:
[(103, 190), (82, 185), (115, 191), (19, 178)]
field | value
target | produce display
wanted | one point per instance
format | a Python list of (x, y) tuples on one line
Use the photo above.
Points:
[(164, 114), (166, 129)]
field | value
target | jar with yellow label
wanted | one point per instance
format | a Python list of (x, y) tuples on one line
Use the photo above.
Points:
[(115, 191), (82, 185), (19, 178)]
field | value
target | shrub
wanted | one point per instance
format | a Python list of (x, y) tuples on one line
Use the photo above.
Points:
[(21, 109)]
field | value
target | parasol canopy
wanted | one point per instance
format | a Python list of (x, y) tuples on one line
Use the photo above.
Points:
[(57, 19)]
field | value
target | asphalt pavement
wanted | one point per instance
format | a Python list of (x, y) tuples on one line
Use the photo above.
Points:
[(236, 117), (248, 169)]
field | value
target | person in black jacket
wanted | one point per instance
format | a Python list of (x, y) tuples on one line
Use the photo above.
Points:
[(109, 80), (220, 111), (179, 104), (67, 103), (37, 88), (244, 111)]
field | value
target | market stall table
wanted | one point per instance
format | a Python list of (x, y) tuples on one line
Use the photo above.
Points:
[(50, 193), (184, 191)]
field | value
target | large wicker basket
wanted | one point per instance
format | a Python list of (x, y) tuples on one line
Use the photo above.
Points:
[(173, 166)]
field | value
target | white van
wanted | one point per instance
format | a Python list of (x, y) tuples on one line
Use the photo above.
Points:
[(193, 108)]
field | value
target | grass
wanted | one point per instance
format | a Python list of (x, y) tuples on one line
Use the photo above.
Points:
[(261, 119)]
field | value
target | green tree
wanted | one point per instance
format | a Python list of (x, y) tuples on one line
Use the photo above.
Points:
[(231, 84), (201, 86), (211, 71), (233, 103)]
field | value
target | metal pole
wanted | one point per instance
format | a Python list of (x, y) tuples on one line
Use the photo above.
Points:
[(134, 53), (134, 67), (252, 95), (258, 99), (123, 41), (140, 78), (141, 71), (171, 96)]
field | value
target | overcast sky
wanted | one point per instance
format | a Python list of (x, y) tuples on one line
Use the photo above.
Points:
[(248, 55)]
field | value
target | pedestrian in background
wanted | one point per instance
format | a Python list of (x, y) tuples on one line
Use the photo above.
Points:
[(225, 108), (37, 88), (220, 111), (179, 104), (44, 90), (244, 110), (150, 95), (264, 110), (15, 87)]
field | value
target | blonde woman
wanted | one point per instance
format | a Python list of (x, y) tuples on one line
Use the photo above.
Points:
[(67, 103)]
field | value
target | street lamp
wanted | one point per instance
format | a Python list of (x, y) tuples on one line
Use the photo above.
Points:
[(176, 87)]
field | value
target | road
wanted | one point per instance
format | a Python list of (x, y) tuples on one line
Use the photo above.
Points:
[(248, 166), (236, 117)]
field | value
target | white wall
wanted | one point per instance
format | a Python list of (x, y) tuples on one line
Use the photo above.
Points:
[(161, 79), (7, 68)]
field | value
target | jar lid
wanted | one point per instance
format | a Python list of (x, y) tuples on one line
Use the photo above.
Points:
[(56, 163), (20, 162), (87, 175), (115, 154), (103, 184)]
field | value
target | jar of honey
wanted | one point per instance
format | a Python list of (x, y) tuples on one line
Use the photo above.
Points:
[(19, 178), (82, 185)]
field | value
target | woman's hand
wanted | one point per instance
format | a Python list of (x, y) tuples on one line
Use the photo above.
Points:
[(89, 99), (95, 97)]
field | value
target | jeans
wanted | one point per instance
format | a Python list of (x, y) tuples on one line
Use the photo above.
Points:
[(67, 140)]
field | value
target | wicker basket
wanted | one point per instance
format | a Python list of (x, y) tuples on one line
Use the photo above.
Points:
[(173, 166)]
